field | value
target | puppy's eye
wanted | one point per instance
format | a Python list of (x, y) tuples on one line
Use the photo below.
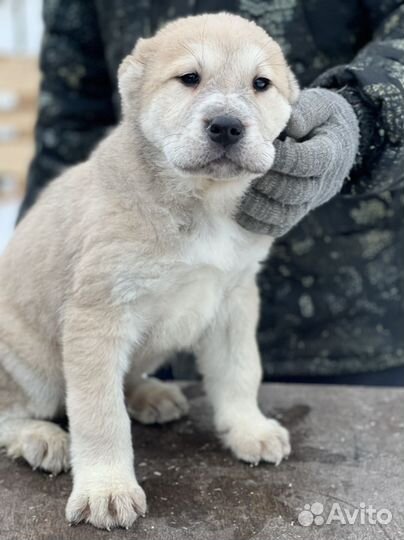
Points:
[(261, 84), (190, 79)]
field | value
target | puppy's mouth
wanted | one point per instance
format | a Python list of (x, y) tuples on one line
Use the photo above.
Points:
[(219, 168)]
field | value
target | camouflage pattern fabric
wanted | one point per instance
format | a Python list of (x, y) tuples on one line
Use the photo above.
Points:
[(333, 289)]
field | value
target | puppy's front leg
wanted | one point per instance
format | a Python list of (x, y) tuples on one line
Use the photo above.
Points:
[(229, 360), (105, 490)]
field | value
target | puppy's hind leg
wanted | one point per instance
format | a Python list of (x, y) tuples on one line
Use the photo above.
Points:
[(42, 444), (151, 401)]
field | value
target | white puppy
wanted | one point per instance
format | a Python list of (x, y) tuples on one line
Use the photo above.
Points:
[(135, 254)]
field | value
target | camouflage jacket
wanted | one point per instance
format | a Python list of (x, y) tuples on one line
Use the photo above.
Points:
[(333, 289)]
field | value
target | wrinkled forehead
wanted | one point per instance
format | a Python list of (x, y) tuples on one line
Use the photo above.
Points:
[(220, 58)]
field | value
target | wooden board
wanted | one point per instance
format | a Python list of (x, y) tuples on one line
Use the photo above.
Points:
[(15, 157), (19, 80), (20, 121), (20, 75)]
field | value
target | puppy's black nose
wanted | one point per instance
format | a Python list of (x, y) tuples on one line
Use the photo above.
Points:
[(225, 130)]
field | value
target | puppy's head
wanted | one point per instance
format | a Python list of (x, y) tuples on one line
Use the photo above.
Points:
[(209, 94)]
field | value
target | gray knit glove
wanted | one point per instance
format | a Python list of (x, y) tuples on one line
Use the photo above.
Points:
[(310, 164)]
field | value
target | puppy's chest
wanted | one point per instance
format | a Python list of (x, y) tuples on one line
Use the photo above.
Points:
[(185, 306), (223, 245), (190, 294)]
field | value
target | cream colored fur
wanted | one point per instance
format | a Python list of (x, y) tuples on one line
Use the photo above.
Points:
[(135, 254)]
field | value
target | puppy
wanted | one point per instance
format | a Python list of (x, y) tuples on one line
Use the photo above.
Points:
[(135, 254)]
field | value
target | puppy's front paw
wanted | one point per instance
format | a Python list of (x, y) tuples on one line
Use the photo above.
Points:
[(107, 506), (255, 440)]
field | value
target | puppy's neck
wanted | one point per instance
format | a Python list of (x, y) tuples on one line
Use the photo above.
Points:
[(134, 172)]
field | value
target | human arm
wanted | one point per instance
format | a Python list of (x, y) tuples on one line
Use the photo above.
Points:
[(75, 100), (373, 84)]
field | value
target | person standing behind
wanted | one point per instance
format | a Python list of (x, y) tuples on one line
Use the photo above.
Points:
[(333, 288)]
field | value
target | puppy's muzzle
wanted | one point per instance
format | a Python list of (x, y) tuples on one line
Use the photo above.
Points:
[(225, 130)]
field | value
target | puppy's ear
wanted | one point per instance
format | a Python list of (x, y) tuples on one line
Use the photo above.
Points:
[(132, 67), (294, 89)]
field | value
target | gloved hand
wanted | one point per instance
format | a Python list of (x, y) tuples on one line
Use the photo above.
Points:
[(310, 164)]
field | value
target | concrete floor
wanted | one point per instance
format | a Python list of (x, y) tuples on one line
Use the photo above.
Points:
[(347, 451)]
